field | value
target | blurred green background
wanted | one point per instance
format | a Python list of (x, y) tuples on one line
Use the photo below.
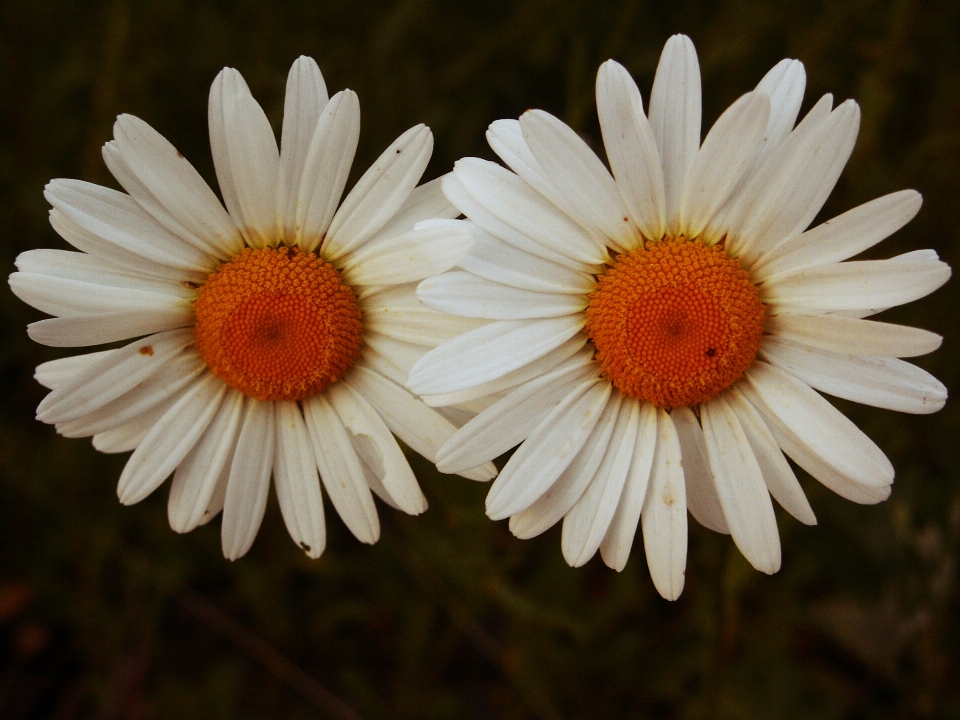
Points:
[(106, 613)]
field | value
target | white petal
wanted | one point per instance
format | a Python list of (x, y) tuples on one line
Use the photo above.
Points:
[(432, 247), (842, 237), (326, 168), (378, 449), (168, 187), (195, 478), (727, 153), (586, 524), (113, 226), (819, 426), (853, 336), (632, 150), (664, 514), (506, 139), (615, 548), (227, 84), (740, 486), (102, 328), (489, 352), (547, 452), (462, 293), (129, 435), (811, 459), (111, 376), (379, 193), (784, 85), (858, 284), (518, 377), (880, 382), (425, 202), (675, 119), (297, 481), (563, 494), (511, 419), (340, 469), (498, 261), (54, 373), (249, 484), (776, 471), (589, 193), (701, 491), (512, 210), (398, 314), (305, 98), (170, 439), (806, 178)]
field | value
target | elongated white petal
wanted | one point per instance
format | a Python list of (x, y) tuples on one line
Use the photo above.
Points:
[(853, 336), (702, 499), (776, 471), (520, 215), (507, 141), (326, 169), (527, 373), (111, 376), (304, 100), (417, 425), (727, 153), (129, 435), (297, 481), (86, 330), (784, 85), (498, 261), (589, 193), (511, 419), (820, 426), (377, 449), (112, 225), (811, 459), (196, 477), (556, 501), (425, 202), (462, 293), (168, 187), (398, 314), (675, 119), (492, 351), (432, 247), (548, 451), (740, 486), (379, 193), (249, 483), (632, 151), (340, 470), (858, 284), (54, 373), (586, 524), (616, 545), (664, 514), (170, 439), (842, 237), (881, 382)]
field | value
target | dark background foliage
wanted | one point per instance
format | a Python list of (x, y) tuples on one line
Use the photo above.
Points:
[(106, 613)]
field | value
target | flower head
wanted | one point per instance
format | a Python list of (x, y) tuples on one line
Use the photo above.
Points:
[(275, 334), (656, 336)]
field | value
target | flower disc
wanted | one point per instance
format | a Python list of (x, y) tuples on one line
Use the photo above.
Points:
[(277, 324), (675, 322)]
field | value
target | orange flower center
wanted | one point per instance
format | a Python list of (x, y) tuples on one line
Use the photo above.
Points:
[(675, 322), (277, 324)]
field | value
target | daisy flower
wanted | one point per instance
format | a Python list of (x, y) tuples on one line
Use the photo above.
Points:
[(656, 337), (275, 334)]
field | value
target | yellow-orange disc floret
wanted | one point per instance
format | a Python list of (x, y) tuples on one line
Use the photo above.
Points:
[(277, 324), (675, 322)]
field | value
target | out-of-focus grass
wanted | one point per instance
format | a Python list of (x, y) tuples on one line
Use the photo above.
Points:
[(106, 613)]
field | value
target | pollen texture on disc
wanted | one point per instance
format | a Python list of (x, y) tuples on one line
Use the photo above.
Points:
[(675, 322), (277, 324)]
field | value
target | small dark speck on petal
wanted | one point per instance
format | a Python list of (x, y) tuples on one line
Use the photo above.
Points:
[(179, 154), (306, 548), (146, 350)]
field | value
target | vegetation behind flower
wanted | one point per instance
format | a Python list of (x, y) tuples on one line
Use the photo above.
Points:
[(106, 613)]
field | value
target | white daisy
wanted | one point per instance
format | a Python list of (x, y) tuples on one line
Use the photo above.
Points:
[(658, 335), (279, 331)]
